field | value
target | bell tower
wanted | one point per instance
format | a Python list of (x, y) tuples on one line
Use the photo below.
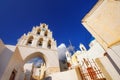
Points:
[(39, 37), (40, 43)]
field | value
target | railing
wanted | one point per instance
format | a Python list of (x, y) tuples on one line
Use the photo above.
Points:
[(90, 71)]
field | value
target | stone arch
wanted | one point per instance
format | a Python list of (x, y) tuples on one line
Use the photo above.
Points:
[(50, 58), (36, 54), (31, 73)]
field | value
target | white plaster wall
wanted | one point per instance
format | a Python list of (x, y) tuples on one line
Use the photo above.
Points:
[(36, 71), (66, 75), (2, 46), (110, 68), (11, 47), (95, 51), (49, 55), (14, 62), (103, 21), (28, 70), (5, 57), (114, 53), (28, 66)]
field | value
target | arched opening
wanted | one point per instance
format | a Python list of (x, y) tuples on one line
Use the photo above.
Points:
[(82, 47), (13, 74), (30, 40), (49, 44), (40, 42), (43, 25), (38, 31), (34, 66), (46, 33)]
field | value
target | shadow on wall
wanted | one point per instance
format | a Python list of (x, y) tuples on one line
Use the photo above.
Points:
[(48, 78), (5, 56)]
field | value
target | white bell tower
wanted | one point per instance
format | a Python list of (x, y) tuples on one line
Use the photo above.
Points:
[(39, 37), (40, 43)]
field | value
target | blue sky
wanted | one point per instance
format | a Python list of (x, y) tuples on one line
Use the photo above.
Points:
[(63, 17)]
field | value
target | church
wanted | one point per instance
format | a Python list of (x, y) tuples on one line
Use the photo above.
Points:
[(37, 43), (100, 62)]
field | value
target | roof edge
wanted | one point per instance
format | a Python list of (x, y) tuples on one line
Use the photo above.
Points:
[(95, 7)]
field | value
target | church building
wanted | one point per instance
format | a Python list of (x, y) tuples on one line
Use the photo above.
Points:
[(37, 43), (100, 62)]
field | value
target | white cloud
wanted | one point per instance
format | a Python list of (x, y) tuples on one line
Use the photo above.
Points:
[(37, 61), (61, 51), (70, 49)]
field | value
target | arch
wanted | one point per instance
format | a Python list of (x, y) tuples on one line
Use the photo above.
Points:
[(46, 33), (43, 25), (34, 55), (46, 55), (40, 42), (29, 41), (82, 47), (49, 44), (13, 75), (40, 67), (38, 31)]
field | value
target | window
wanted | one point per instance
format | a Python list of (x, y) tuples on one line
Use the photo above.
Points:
[(68, 55), (40, 42), (38, 32), (46, 33), (30, 40), (49, 44), (13, 74), (43, 25), (83, 49)]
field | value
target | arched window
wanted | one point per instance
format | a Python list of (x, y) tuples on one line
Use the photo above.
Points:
[(30, 40), (38, 31), (43, 25), (46, 33), (13, 74), (40, 42), (82, 47), (49, 44)]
